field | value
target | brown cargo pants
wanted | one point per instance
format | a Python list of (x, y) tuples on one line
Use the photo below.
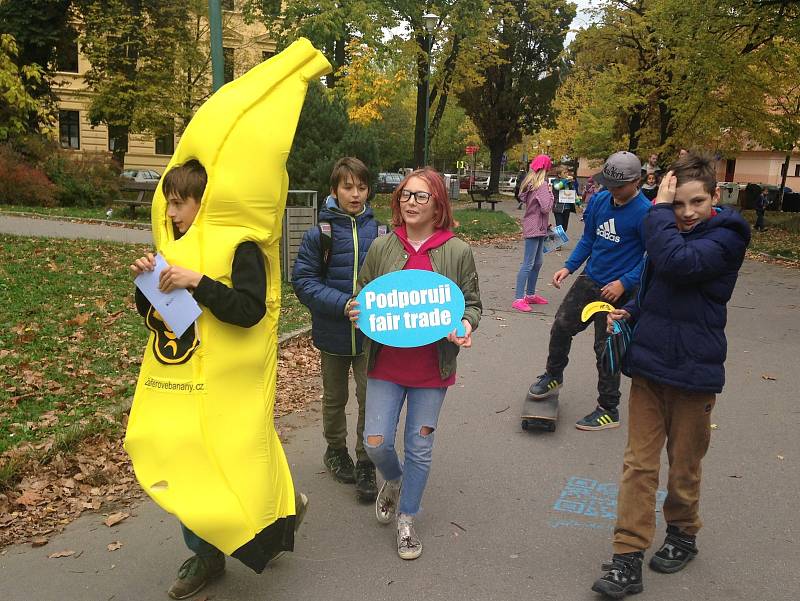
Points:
[(659, 413), (335, 392)]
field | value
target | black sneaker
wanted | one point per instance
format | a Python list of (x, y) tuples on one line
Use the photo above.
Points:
[(599, 419), (366, 488), (677, 550), (623, 576), (340, 465), (545, 386)]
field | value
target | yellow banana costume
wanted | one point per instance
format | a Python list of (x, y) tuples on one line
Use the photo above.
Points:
[(201, 434)]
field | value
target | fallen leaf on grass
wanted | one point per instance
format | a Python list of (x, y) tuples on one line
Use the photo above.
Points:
[(57, 554), (79, 320), (116, 518), (114, 546)]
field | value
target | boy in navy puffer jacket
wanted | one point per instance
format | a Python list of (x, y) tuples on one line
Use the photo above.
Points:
[(676, 361), (324, 278)]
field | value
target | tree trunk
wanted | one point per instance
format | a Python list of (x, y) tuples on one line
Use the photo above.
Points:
[(634, 127), (339, 59), (419, 124), (497, 146), (119, 135), (784, 174)]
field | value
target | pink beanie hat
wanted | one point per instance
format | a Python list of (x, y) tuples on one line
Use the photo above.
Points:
[(542, 161)]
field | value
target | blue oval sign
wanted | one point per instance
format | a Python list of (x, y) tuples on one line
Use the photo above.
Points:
[(410, 308)]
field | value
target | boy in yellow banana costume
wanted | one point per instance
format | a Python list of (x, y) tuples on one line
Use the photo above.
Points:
[(201, 435)]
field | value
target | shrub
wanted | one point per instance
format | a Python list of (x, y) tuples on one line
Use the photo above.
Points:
[(21, 183), (85, 180)]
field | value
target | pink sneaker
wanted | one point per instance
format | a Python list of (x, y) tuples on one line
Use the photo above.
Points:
[(521, 305), (535, 299)]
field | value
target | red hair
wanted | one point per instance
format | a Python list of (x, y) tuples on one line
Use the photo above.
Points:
[(443, 214)]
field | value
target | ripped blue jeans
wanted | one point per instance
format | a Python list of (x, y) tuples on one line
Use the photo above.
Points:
[(384, 402)]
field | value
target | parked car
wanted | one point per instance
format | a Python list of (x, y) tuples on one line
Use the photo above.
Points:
[(141, 175), (507, 183), (387, 182), (481, 182)]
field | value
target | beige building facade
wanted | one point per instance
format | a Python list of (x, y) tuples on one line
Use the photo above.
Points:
[(244, 46), (749, 166)]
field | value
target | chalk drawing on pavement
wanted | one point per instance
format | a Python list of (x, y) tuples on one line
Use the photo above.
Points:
[(589, 498)]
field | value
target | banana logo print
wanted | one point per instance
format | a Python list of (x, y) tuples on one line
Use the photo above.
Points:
[(595, 307), (166, 346), (202, 442)]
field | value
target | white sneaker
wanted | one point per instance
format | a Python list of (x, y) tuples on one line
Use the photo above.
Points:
[(408, 544), (386, 502)]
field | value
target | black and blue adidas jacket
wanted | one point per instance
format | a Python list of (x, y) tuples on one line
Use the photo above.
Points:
[(612, 241)]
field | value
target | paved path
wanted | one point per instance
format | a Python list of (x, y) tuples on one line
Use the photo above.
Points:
[(28, 226), (507, 514)]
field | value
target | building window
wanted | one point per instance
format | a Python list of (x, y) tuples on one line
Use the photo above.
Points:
[(69, 129), (165, 144), (112, 143), (267, 54), (227, 5), (797, 170), (227, 55), (67, 56)]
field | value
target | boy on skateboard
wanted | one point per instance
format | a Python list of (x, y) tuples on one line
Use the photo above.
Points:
[(676, 361), (613, 244)]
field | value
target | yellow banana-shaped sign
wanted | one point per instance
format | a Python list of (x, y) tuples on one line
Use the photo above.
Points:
[(595, 307), (201, 434)]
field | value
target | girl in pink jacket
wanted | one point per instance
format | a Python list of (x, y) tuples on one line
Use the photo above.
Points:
[(537, 197)]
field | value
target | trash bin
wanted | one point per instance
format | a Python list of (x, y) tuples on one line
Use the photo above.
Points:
[(729, 193), (300, 214), (453, 188)]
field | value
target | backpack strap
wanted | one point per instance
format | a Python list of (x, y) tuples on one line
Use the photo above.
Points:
[(326, 243)]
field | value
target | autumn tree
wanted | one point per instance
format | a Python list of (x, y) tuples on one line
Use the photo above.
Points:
[(16, 102), (659, 74), (520, 74), (133, 47), (331, 25), (40, 28), (324, 134)]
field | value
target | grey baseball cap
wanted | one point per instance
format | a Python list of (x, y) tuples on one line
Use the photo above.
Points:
[(620, 168)]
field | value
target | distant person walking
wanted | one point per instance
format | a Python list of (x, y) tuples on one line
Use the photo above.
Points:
[(537, 197), (761, 208)]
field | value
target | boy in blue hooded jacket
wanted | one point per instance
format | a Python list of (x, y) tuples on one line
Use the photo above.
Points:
[(324, 279), (676, 361)]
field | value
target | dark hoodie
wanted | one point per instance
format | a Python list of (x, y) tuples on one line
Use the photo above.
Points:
[(680, 312)]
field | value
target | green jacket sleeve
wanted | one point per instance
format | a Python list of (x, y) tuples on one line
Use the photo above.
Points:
[(468, 282)]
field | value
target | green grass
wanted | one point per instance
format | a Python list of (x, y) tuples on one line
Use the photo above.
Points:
[(473, 225), (782, 236), (71, 342)]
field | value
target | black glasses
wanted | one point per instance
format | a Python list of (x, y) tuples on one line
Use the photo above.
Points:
[(422, 198)]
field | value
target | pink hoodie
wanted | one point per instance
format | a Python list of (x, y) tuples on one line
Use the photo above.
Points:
[(538, 204)]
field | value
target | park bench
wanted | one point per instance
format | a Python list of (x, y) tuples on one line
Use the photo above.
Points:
[(144, 194), (481, 195)]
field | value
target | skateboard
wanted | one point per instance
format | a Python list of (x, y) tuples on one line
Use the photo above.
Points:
[(541, 414)]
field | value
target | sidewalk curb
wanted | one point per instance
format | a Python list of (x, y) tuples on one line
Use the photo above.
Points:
[(286, 338), (777, 257)]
